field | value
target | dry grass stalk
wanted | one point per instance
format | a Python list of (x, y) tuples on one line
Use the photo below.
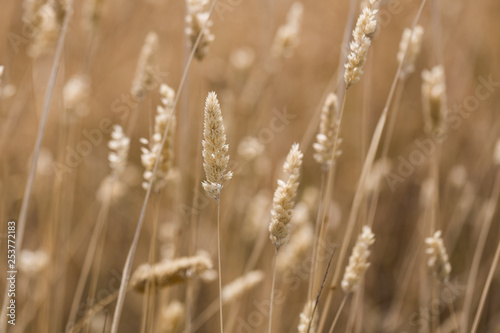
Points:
[(358, 262), (170, 272), (438, 260), (143, 79), (434, 98), (119, 146), (165, 116), (215, 157), (46, 30), (287, 36), (409, 44), (305, 319), (196, 19), (328, 128), (75, 93), (284, 197), (241, 285)]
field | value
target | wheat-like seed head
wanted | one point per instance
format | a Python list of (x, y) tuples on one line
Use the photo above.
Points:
[(119, 145), (241, 285), (31, 12), (196, 18), (411, 43), (438, 260), (92, 12), (256, 212), (144, 73), (170, 272), (305, 319), (358, 262), (171, 317), (434, 98), (75, 92), (46, 29), (165, 116), (362, 33), (215, 157), (287, 36), (328, 128), (250, 148), (33, 262), (242, 59), (284, 198), (111, 188)]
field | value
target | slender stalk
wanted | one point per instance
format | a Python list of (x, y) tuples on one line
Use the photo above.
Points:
[(453, 315), (194, 217), (337, 315), (130, 256), (220, 269), (481, 242), (36, 151), (361, 184), (385, 150), (486, 289), (272, 291), (316, 237), (89, 258)]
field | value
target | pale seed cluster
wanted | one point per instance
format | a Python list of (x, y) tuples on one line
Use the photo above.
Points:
[(284, 197), (215, 157), (144, 74), (358, 262), (305, 319), (434, 98), (171, 317), (165, 117), (287, 36), (365, 27), (241, 285), (92, 12), (170, 272), (410, 43), (75, 94), (33, 262), (119, 146), (438, 260), (196, 18), (328, 128), (46, 27)]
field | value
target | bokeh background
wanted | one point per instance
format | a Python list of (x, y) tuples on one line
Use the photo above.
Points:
[(253, 88)]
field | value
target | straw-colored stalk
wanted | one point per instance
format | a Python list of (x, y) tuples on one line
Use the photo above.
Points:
[(282, 210), (215, 160)]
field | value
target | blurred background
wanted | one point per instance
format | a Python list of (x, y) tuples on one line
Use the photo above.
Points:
[(275, 101)]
